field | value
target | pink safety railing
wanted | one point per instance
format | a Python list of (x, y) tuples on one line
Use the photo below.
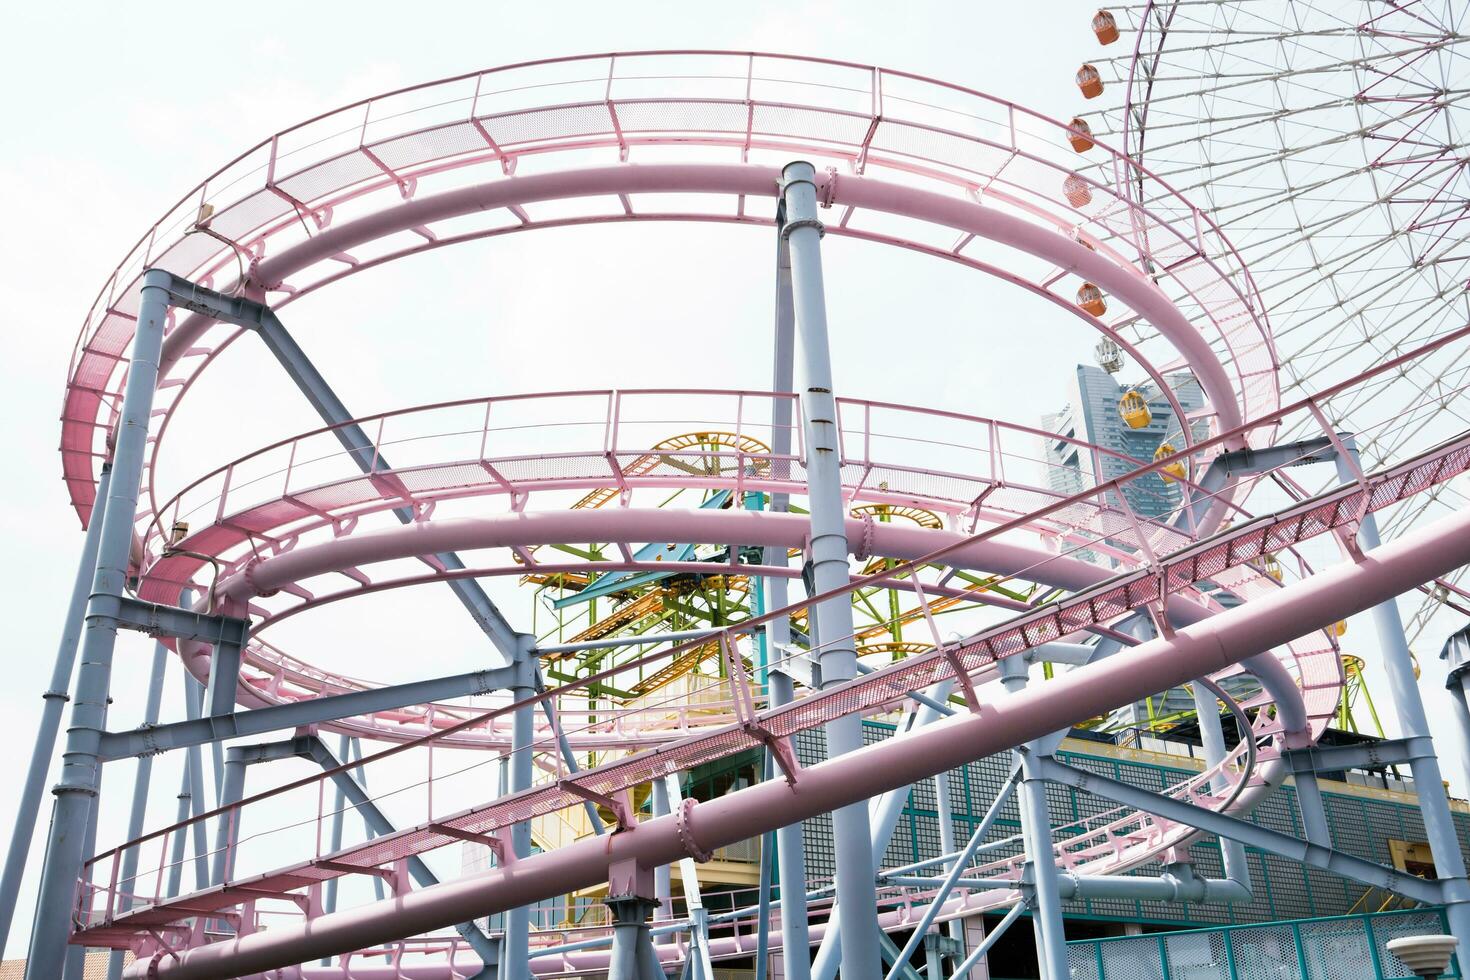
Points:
[(381, 150), (1093, 525), (908, 441), (542, 450)]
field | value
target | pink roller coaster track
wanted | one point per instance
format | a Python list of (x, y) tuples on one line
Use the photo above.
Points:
[(609, 137)]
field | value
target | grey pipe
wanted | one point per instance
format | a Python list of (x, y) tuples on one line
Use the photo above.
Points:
[(54, 700)]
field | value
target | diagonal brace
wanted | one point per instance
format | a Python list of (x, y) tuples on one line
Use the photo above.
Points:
[(1271, 841), (259, 317)]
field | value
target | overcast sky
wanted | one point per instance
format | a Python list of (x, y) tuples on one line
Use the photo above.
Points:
[(111, 111)]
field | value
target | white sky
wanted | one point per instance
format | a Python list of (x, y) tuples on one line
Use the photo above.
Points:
[(111, 111)]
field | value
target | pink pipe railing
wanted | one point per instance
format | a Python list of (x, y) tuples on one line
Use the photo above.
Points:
[(217, 491)]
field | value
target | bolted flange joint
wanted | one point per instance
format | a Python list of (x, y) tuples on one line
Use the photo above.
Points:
[(685, 828)]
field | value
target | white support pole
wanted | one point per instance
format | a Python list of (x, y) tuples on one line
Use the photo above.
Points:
[(1456, 655), (663, 888), (944, 807), (883, 816), (790, 848), (1459, 693), (1046, 916), (827, 553), (1212, 735), (689, 873)]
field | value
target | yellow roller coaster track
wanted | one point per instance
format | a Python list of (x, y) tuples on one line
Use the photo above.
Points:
[(920, 516), (707, 465), (647, 605), (660, 454), (894, 651)]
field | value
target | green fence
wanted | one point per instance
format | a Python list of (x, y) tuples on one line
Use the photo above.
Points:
[(1344, 947)]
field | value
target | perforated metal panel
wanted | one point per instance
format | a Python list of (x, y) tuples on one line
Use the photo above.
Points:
[(1336, 949), (1197, 956), (1082, 962), (1386, 928), (1132, 959)]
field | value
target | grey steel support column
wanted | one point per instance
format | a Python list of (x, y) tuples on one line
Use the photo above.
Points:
[(141, 778), (827, 553), (1434, 804), (77, 790), (518, 920), (632, 949), (76, 956), (54, 700), (177, 842), (763, 909), (1036, 828), (763, 897), (339, 808), (224, 678), (1314, 812), (883, 815), (193, 704), (1456, 655), (227, 831), (217, 756), (790, 849), (933, 967)]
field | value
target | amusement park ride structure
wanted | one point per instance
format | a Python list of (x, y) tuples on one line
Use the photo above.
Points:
[(674, 641)]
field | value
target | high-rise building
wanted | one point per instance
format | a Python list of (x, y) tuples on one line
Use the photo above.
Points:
[(1092, 414)]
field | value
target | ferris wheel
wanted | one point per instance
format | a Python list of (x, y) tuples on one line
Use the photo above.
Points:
[(1331, 143)]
